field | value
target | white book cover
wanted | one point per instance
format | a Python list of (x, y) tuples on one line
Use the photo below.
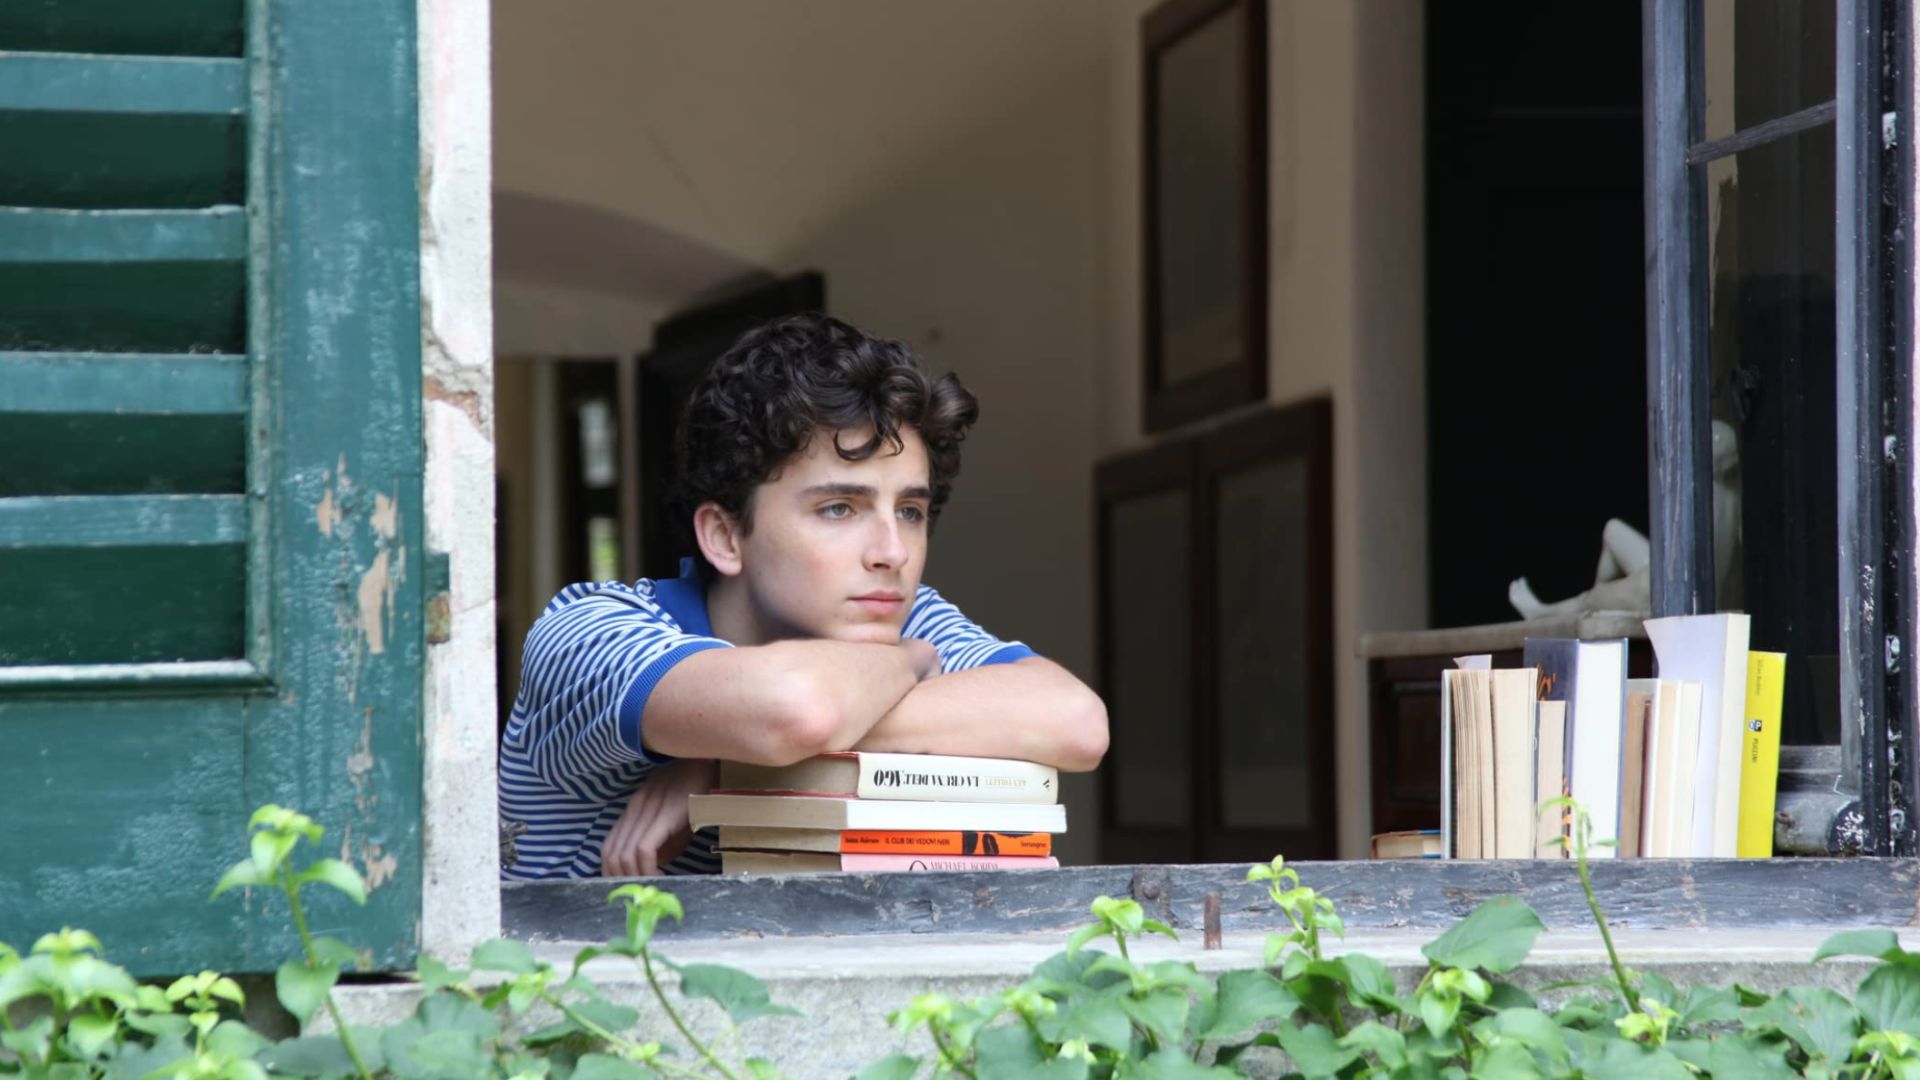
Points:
[(1591, 677), (1711, 650)]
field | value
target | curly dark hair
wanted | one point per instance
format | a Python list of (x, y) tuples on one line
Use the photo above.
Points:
[(764, 398)]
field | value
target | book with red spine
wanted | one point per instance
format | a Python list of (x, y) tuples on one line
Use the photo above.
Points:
[(858, 774), (885, 842)]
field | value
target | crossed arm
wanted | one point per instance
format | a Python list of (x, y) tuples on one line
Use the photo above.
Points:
[(777, 704)]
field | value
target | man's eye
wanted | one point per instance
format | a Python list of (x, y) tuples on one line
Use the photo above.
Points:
[(836, 510), (912, 513)]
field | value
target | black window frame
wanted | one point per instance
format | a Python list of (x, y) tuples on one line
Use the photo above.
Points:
[(1874, 327)]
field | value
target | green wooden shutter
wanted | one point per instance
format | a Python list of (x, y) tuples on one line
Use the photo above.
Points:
[(210, 466)]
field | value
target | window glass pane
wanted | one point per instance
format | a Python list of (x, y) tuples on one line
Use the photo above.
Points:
[(1200, 124), (1150, 675), (1770, 250), (1765, 59), (1261, 586)]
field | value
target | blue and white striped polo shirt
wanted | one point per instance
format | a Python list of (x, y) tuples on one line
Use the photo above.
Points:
[(572, 755)]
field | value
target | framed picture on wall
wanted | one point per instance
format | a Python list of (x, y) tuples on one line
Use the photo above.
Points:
[(1204, 208)]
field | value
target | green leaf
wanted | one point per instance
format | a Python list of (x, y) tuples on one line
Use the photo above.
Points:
[(740, 994), (270, 850), (1008, 1052), (1889, 999), (1528, 1027), (303, 988), (1822, 1022), (1097, 1019), (243, 874), (501, 954), (158, 1025), (1383, 1042), (435, 975), (1369, 984), (1506, 1061), (337, 874), (1735, 1056), (31, 1041), (891, 1067), (1707, 1005), (445, 1053), (1079, 938), (1169, 1063), (1505, 995), (1879, 944), (235, 1039), (1245, 999), (1162, 1012), (331, 950), (1609, 1057), (1438, 1011), (442, 1012), (90, 1034), (1496, 936), (1074, 969), (1314, 1049), (608, 1067), (133, 1061)]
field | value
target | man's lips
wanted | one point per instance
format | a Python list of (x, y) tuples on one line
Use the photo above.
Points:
[(880, 603)]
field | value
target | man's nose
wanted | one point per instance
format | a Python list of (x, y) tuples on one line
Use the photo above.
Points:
[(887, 548)]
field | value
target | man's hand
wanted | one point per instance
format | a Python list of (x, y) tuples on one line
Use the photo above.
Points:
[(926, 661), (653, 829)]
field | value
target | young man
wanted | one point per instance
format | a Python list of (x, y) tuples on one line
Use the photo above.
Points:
[(813, 462)]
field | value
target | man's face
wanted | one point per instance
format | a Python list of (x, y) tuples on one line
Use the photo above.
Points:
[(838, 546)]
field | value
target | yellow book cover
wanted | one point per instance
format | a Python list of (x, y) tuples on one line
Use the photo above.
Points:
[(1760, 753)]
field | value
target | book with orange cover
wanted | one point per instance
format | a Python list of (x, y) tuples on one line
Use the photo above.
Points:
[(884, 841), (807, 862)]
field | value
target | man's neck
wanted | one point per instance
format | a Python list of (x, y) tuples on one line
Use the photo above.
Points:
[(731, 614)]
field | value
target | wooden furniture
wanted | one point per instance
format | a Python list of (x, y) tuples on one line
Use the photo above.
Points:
[(1403, 699)]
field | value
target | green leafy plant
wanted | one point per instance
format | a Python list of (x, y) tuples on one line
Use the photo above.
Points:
[(66, 1013)]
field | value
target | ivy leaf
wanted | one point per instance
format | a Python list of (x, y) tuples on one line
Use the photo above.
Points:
[(1822, 1022), (1506, 1061), (1162, 1012), (1744, 1057), (235, 1039), (1706, 1005), (1169, 1063), (90, 1033), (1383, 1042), (1080, 937), (608, 1067), (435, 975), (1245, 999), (445, 1053), (1314, 1050), (1008, 1052), (1074, 969), (303, 988), (608, 1016), (740, 994), (1097, 1019), (1528, 1027), (450, 1012), (1878, 944), (1609, 1057), (891, 1067), (1496, 936), (1369, 984), (1889, 999), (500, 954)]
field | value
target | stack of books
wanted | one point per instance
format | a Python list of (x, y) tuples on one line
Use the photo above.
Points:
[(1684, 765), (871, 812)]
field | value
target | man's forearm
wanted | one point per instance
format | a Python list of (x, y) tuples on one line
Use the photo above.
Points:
[(774, 704), (1032, 709)]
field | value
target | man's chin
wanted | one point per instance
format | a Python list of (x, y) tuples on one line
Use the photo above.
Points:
[(868, 634)]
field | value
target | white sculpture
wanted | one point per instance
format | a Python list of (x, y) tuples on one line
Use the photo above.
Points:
[(1620, 582)]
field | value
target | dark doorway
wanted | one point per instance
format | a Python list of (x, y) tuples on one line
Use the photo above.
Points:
[(684, 346), (1536, 359)]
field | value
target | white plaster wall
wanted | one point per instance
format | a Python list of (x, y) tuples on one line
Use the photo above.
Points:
[(940, 163), (1346, 315), (461, 898)]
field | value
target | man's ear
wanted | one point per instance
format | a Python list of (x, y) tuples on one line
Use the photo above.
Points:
[(719, 534)]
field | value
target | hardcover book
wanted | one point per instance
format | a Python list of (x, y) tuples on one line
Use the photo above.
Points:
[(910, 777), (825, 812), (884, 841)]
